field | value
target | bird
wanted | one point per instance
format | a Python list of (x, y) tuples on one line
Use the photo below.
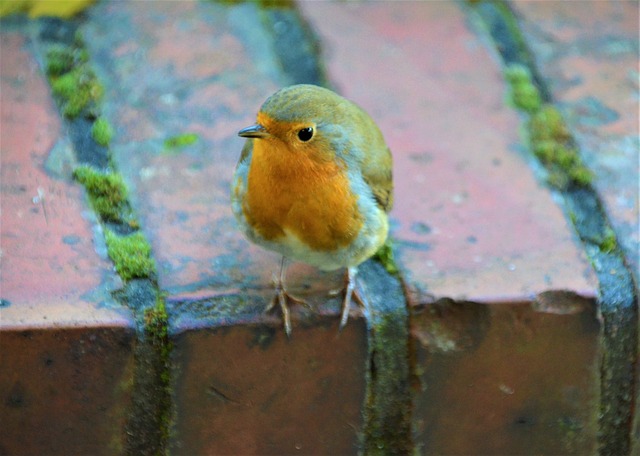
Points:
[(314, 184)]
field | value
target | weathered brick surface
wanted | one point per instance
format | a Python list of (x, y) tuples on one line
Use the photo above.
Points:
[(206, 68), (471, 224), (503, 330), (246, 389), (465, 226), (507, 379), (588, 51), (66, 348)]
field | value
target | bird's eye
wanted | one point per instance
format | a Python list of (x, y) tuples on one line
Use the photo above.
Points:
[(305, 134)]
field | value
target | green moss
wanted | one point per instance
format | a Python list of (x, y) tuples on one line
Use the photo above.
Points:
[(523, 92), (131, 255), (551, 142), (72, 79), (102, 131), (180, 141), (77, 89), (61, 59), (156, 322), (385, 256), (107, 193), (609, 243), (547, 124)]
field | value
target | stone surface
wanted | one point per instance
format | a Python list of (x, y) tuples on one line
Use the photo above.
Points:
[(589, 55), (66, 347), (470, 221)]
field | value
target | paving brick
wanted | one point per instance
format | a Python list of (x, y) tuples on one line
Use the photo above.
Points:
[(470, 221), (206, 68), (498, 380), (248, 390), (472, 229), (66, 347), (589, 56)]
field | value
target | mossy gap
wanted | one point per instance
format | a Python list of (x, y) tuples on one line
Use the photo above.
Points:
[(79, 94), (553, 145), (387, 408)]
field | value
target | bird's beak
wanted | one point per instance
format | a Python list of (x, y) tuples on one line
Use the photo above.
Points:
[(254, 131)]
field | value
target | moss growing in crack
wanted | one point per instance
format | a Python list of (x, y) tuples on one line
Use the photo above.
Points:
[(523, 92), (149, 425), (78, 89), (72, 79), (156, 321), (551, 142), (62, 58), (131, 255), (102, 132), (107, 193), (609, 242), (385, 256)]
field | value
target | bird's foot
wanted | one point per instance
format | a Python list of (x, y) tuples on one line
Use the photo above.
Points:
[(283, 298), (350, 293)]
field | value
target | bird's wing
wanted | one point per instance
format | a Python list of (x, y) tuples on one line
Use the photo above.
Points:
[(377, 173), (246, 151), (377, 163)]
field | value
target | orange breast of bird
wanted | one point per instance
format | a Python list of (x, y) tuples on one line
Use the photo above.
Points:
[(304, 195)]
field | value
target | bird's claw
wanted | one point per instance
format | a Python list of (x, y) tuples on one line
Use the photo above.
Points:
[(350, 291), (282, 298)]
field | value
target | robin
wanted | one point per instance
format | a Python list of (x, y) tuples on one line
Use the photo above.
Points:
[(314, 184)]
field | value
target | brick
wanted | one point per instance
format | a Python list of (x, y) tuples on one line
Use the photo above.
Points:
[(246, 389), (66, 347), (589, 56), (484, 251), (498, 380), (206, 68), (470, 221)]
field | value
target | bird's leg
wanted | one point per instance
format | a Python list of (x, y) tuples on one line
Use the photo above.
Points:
[(350, 291), (282, 296)]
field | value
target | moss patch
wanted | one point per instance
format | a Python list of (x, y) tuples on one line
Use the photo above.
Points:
[(130, 254), (552, 144), (549, 136), (609, 242), (523, 93), (72, 79), (174, 143), (107, 193), (78, 90), (384, 256), (62, 58), (101, 131)]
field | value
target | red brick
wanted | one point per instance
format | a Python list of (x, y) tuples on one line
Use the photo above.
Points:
[(270, 395), (471, 222), (207, 68), (507, 379), (66, 347), (65, 390), (589, 56)]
